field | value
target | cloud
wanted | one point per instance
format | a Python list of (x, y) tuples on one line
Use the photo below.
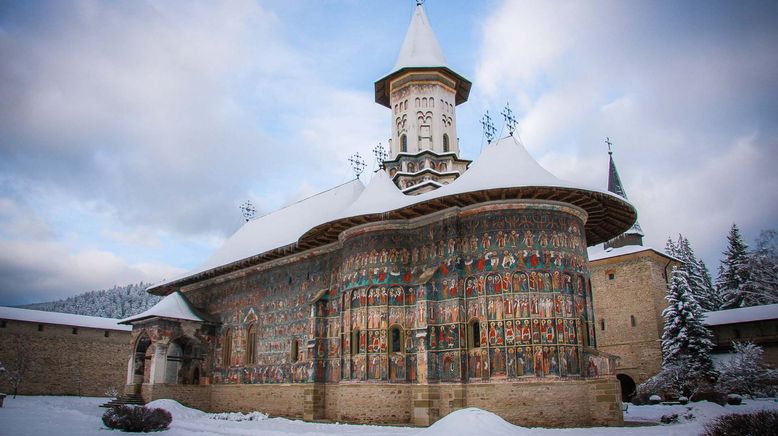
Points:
[(686, 92)]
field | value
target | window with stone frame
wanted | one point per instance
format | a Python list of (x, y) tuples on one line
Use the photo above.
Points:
[(251, 344)]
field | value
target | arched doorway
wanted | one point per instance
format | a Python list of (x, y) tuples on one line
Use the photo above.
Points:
[(183, 362), (628, 388), (140, 358)]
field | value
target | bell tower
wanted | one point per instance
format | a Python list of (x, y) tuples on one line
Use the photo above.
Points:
[(422, 92)]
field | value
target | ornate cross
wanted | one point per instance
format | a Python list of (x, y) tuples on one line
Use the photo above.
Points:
[(380, 155), (608, 141), (419, 2), (357, 164), (510, 120), (488, 126), (248, 210)]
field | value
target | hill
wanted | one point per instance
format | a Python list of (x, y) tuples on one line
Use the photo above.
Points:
[(116, 302)]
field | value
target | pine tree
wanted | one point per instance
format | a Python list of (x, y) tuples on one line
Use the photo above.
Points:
[(685, 340), (698, 274), (734, 271), (761, 287)]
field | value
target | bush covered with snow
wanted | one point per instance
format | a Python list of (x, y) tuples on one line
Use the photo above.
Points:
[(746, 373), (654, 399), (734, 399), (137, 419), (761, 423)]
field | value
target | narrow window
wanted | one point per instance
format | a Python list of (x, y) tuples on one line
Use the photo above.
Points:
[(403, 143), (355, 336), (445, 143), (40, 327), (106, 333), (602, 324), (632, 320), (252, 344), (2, 323), (611, 276), (474, 334), (295, 351), (227, 349), (74, 331), (737, 334), (395, 340)]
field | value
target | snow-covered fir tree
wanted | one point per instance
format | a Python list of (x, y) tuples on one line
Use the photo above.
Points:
[(685, 339), (117, 302), (734, 271), (761, 286), (698, 275)]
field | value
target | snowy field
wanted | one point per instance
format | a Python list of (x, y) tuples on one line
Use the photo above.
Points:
[(34, 416)]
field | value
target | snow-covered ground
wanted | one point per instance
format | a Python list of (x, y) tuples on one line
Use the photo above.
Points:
[(35, 416)]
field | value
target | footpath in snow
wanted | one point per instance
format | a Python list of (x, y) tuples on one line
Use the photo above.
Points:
[(34, 416)]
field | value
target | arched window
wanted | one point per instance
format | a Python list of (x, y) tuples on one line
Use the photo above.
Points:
[(403, 143), (227, 349), (474, 334), (355, 337), (294, 352), (395, 339), (445, 143), (251, 345)]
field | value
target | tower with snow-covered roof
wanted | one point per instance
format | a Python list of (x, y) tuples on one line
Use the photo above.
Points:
[(422, 92)]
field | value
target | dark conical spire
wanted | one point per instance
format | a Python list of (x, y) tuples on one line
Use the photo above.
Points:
[(633, 236)]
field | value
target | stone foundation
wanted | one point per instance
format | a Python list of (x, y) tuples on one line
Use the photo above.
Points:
[(566, 403)]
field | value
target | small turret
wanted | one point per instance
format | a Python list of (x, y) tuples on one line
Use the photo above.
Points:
[(633, 236)]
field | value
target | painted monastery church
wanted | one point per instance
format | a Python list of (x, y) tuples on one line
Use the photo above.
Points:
[(442, 284)]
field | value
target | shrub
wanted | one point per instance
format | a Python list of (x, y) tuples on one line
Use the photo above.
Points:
[(746, 373), (761, 423), (137, 419), (654, 399), (669, 419), (734, 399), (683, 400)]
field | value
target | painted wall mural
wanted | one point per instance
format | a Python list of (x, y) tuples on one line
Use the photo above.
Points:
[(496, 292)]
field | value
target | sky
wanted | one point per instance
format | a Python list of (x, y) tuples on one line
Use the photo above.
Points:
[(132, 131)]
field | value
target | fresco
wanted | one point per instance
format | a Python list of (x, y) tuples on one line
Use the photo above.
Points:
[(403, 304)]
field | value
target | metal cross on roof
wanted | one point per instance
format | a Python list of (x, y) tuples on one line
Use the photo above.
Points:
[(510, 120), (248, 210), (419, 2), (380, 155), (608, 141), (488, 126), (357, 164)]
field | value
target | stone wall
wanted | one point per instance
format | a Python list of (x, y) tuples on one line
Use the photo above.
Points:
[(565, 403), (64, 361), (628, 293)]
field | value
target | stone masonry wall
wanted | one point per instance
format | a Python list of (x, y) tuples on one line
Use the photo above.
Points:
[(569, 403), (635, 291), (63, 363)]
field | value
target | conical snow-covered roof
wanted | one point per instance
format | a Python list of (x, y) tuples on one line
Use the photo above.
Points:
[(173, 306), (505, 163), (420, 47), (633, 236), (379, 195), (420, 50)]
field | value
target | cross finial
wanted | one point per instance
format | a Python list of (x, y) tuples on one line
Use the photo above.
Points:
[(488, 126), (248, 210), (380, 155), (510, 120), (419, 2), (357, 164), (608, 141)]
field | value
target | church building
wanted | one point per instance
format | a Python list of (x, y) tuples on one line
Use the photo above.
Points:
[(441, 284)]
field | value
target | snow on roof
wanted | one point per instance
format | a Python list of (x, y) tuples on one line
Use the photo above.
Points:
[(420, 47), (173, 306), (505, 163), (280, 228), (597, 253), (741, 314), (380, 191), (69, 319)]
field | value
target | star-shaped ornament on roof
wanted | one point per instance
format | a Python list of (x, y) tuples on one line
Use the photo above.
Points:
[(510, 120), (357, 164)]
